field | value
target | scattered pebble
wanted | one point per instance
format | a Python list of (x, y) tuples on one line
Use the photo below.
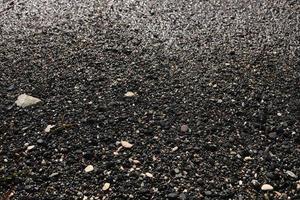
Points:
[(291, 174), (40, 141), (174, 149), (129, 94), (247, 158), (106, 186), (182, 196), (11, 87), (298, 185), (273, 135), (172, 195), (208, 193), (267, 187), (126, 144), (25, 100), (53, 174), (30, 147), (48, 128), (136, 161), (149, 175), (184, 128), (255, 182), (89, 168)]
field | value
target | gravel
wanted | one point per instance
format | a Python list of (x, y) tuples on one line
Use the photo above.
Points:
[(217, 79)]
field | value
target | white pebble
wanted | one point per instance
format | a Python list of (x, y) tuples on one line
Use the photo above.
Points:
[(174, 149), (30, 147), (247, 158), (106, 186), (126, 144), (266, 187), (291, 174), (89, 168), (129, 94), (149, 175), (48, 128), (25, 100)]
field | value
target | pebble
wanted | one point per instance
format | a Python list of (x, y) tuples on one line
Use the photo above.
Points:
[(255, 182), (182, 196), (291, 174), (247, 158), (266, 187), (129, 94), (184, 128), (11, 88), (89, 168), (40, 141), (48, 128), (174, 149), (208, 193), (30, 147), (126, 144), (53, 174), (149, 175), (279, 114), (25, 100), (172, 195), (272, 135), (176, 170), (106, 186), (298, 185)]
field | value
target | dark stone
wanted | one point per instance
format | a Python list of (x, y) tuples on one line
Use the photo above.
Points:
[(272, 135), (207, 193), (182, 196), (173, 195)]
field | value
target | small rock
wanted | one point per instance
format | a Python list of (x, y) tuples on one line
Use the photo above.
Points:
[(106, 186), (172, 195), (298, 185), (11, 87), (247, 158), (126, 144), (267, 187), (184, 128), (207, 193), (30, 147), (48, 128), (136, 161), (40, 141), (174, 149), (272, 135), (255, 182), (291, 174), (53, 174), (149, 175), (89, 168), (25, 100), (129, 94), (182, 196), (176, 170)]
